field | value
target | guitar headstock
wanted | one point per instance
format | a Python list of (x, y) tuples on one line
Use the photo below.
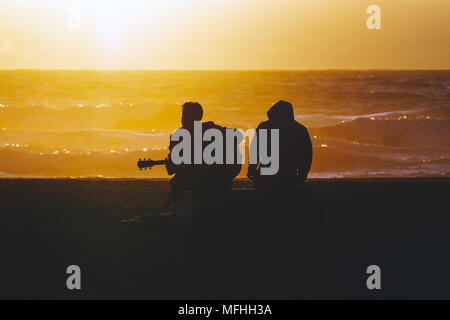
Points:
[(144, 164)]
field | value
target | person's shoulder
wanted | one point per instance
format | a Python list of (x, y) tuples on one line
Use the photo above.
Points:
[(300, 126), (176, 134), (264, 125), (212, 125), (178, 130), (209, 124)]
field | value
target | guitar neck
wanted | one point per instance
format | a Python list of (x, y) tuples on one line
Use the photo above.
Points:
[(159, 162), (147, 163)]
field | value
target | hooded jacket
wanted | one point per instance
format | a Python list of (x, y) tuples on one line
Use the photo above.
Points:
[(295, 147)]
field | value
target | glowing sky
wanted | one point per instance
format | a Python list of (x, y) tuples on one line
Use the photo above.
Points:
[(223, 34)]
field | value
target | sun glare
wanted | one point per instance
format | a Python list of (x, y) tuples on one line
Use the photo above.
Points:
[(108, 28), (218, 34), (116, 22)]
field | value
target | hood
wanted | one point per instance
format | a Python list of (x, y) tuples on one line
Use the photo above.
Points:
[(281, 111)]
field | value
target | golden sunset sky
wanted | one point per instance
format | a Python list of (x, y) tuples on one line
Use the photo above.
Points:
[(223, 34)]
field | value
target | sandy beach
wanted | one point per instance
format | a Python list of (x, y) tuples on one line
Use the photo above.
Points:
[(104, 227)]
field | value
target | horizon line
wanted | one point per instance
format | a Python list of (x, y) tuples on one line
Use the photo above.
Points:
[(206, 70)]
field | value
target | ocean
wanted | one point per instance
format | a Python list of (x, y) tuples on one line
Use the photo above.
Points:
[(80, 124)]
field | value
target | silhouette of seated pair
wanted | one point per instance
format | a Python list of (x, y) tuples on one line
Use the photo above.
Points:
[(295, 154)]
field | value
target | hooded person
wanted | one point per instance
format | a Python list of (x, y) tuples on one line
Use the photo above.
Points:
[(295, 149)]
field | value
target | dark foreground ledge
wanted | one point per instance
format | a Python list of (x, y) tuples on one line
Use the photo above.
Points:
[(400, 225), (246, 204), (256, 214)]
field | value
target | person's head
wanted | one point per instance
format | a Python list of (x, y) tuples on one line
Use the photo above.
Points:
[(281, 111), (192, 111)]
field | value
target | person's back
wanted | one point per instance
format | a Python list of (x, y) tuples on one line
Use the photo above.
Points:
[(295, 149)]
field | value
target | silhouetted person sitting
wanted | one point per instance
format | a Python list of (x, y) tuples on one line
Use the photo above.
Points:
[(295, 149), (199, 176)]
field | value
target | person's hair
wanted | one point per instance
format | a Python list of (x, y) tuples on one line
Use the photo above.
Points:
[(193, 111)]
